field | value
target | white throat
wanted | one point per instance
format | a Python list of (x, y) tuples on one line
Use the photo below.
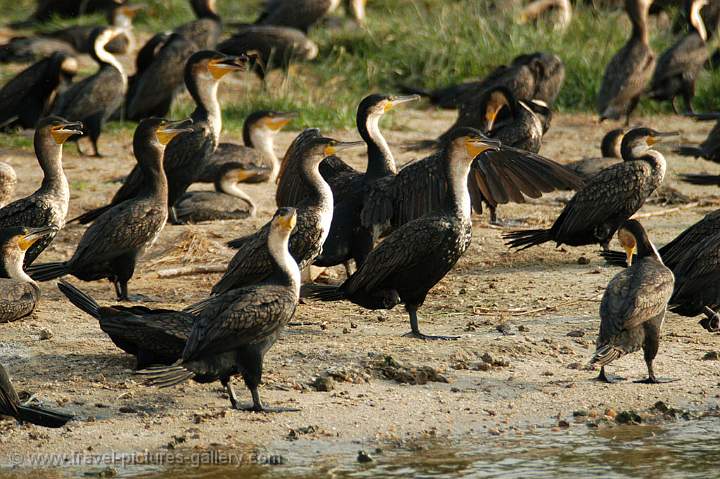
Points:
[(263, 140), (459, 171), (278, 246), (229, 186), (108, 57), (696, 19), (55, 184), (327, 203), (209, 98), (373, 125), (15, 271)]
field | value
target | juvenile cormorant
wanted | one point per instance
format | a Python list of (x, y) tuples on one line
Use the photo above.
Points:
[(534, 76), (275, 47), (256, 157), (628, 72), (233, 331), (48, 206), (633, 307), (27, 97), (710, 148), (10, 406), (611, 155), (153, 336), (608, 199), (8, 180), (187, 155), (94, 99), (253, 261), (18, 292), (227, 202), (413, 258), (110, 247), (678, 66)]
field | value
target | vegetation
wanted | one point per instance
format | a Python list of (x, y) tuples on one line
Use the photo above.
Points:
[(428, 43)]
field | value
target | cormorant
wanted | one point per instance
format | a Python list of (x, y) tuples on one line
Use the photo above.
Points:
[(187, 155), (256, 158), (233, 331), (628, 72), (110, 247), (275, 47), (534, 76), (8, 180), (561, 12), (633, 307), (153, 336), (48, 206), (297, 14), (608, 199), (677, 68), (29, 49), (10, 406), (205, 31), (18, 292), (27, 97), (94, 99), (710, 148), (611, 155), (227, 202), (414, 257), (46, 9), (253, 262)]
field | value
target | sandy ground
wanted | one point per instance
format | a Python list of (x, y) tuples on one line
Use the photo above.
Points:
[(537, 297)]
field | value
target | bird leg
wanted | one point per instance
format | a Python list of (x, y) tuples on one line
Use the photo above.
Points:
[(121, 290), (606, 378), (173, 217), (79, 148), (349, 268), (258, 406), (651, 379), (711, 321), (231, 392), (415, 330)]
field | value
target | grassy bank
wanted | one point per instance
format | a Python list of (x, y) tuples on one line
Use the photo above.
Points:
[(430, 43)]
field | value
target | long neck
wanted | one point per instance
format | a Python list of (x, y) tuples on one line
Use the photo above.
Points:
[(457, 202), (638, 14), (14, 269), (287, 271), (150, 159), (49, 156), (264, 141), (645, 248), (106, 58), (204, 92), (380, 159), (319, 192), (228, 185), (696, 20)]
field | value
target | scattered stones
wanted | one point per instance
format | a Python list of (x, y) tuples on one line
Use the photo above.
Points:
[(392, 369), (583, 260), (295, 434), (628, 417), (576, 333), (712, 356), (348, 375), (45, 334), (364, 457), (562, 423), (574, 366), (580, 413), (505, 328), (127, 410), (323, 384)]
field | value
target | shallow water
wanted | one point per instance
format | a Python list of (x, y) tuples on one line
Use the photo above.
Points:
[(683, 449)]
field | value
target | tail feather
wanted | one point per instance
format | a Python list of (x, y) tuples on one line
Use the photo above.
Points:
[(43, 417), (322, 292), (90, 216), (48, 271), (236, 243), (615, 258), (166, 376), (605, 355), (528, 238), (80, 299), (700, 179), (692, 151)]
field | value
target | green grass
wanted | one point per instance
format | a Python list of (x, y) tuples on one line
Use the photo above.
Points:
[(429, 43)]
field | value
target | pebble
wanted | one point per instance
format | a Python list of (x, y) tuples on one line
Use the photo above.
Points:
[(45, 334), (323, 384), (576, 333), (505, 328), (364, 457), (583, 260), (712, 356)]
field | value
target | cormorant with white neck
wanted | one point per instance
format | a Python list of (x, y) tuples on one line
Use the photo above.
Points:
[(187, 154), (94, 99), (233, 331), (608, 199), (256, 158), (678, 67), (110, 247), (348, 239), (227, 202), (18, 292), (633, 307), (48, 206), (417, 255), (252, 262), (629, 71)]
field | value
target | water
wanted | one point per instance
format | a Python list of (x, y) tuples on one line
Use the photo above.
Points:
[(684, 449)]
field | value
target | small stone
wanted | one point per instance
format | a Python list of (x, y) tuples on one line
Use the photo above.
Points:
[(576, 333), (562, 423), (353, 325), (523, 329), (127, 410), (323, 384), (548, 373), (364, 457), (45, 334), (583, 260), (346, 331), (580, 413), (628, 417), (712, 356), (494, 431), (660, 406), (574, 366), (610, 413), (505, 329)]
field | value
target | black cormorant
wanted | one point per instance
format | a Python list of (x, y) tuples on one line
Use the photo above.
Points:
[(110, 247), (633, 307), (710, 148), (94, 99), (27, 97), (418, 254), (187, 155), (233, 331), (629, 71), (48, 206), (205, 31), (608, 199), (298, 14)]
